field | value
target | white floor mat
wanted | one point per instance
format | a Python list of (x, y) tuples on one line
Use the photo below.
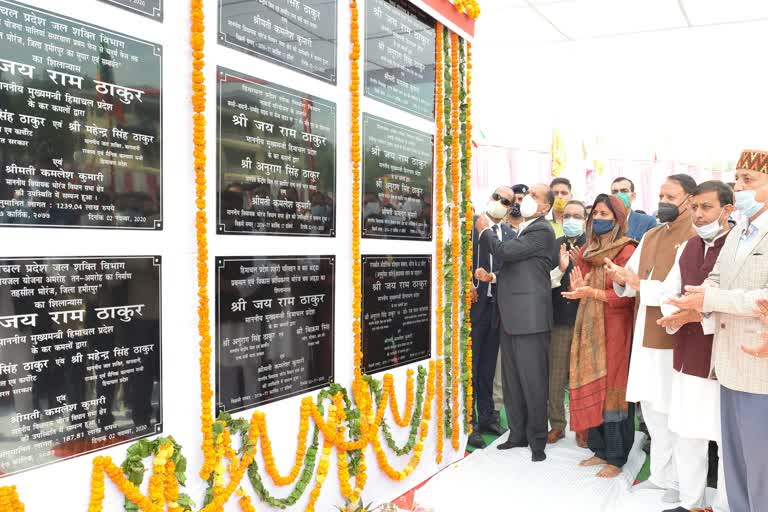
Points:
[(496, 480)]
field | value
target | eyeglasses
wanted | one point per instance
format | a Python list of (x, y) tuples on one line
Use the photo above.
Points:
[(502, 200)]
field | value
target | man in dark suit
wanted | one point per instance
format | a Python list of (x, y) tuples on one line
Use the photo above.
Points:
[(485, 320), (524, 301), (638, 223)]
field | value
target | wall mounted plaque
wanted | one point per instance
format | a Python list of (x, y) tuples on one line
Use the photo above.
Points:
[(397, 181), (400, 56), (397, 319), (149, 8), (276, 159), (80, 124), (297, 34), (274, 328), (80, 356)]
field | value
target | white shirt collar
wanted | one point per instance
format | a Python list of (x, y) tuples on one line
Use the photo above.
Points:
[(526, 224)]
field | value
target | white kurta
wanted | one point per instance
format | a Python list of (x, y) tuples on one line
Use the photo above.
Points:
[(694, 404), (650, 369)]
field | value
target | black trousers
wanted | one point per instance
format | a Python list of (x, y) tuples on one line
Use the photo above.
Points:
[(524, 372), (612, 442), (485, 351)]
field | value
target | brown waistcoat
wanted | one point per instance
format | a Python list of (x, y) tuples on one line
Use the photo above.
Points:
[(660, 246)]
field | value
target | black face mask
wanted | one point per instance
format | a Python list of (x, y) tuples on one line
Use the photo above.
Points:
[(668, 212), (515, 211)]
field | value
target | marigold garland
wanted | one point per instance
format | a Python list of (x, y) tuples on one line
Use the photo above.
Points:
[(465, 230), (197, 41), (405, 419), (448, 270), (469, 7), (468, 234), (322, 467), (439, 184), (266, 446), (355, 157), (9, 499), (381, 457), (455, 239), (415, 419)]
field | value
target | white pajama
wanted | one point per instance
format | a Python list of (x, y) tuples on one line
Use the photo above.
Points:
[(650, 381)]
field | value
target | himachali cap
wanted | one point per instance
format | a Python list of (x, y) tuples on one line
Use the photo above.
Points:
[(753, 160)]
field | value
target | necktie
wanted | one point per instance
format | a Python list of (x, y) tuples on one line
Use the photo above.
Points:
[(491, 287)]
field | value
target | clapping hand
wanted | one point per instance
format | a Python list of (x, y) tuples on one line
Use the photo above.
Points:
[(761, 351), (578, 280), (579, 293), (621, 275), (565, 258), (575, 254), (692, 300), (679, 319)]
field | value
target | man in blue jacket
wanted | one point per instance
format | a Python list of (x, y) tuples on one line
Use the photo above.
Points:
[(638, 223)]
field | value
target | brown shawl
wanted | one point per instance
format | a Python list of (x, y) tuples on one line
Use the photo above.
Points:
[(590, 402)]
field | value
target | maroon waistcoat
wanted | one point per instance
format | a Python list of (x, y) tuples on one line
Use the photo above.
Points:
[(692, 349)]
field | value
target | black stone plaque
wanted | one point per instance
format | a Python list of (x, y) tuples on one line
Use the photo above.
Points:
[(400, 56), (274, 328), (149, 8), (397, 181), (397, 319), (276, 159), (80, 356), (80, 124), (297, 34)]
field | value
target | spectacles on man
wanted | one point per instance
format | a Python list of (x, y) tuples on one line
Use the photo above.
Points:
[(503, 200)]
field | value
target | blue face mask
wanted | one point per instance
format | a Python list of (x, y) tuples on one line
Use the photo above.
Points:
[(746, 203), (602, 226), (573, 227)]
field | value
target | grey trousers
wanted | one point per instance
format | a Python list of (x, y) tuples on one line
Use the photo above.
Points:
[(498, 388), (524, 361), (744, 418)]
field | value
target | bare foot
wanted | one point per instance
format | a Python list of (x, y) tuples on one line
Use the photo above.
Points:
[(592, 461), (609, 471)]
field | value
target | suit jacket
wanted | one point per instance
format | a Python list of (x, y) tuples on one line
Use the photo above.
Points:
[(481, 258), (732, 288), (638, 224), (524, 295)]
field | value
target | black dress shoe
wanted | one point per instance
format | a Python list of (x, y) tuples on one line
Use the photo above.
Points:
[(508, 445), (538, 456), (492, 428), (678, 509), (476, 440)]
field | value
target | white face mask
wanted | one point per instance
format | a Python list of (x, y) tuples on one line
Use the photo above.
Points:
[(496, 210), (709, 231), (528, 207)]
